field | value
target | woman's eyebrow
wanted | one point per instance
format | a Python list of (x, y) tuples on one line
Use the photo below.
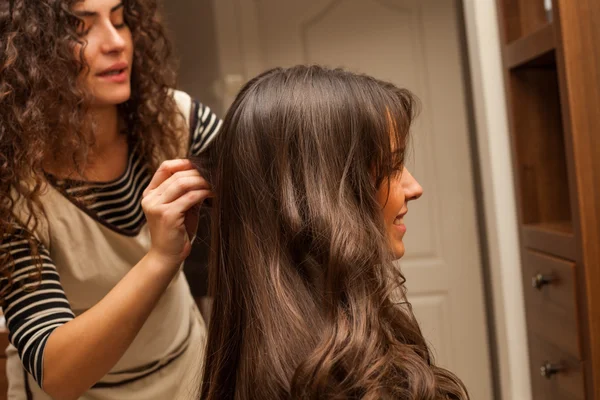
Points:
[(85, 13)]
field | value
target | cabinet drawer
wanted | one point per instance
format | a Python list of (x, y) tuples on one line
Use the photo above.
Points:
[(551, 307), (566, 383)]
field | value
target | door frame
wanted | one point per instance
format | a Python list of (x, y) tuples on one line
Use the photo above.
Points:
[(495, 184)]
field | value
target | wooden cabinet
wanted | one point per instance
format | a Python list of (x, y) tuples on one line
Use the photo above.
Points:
[(552, 82)]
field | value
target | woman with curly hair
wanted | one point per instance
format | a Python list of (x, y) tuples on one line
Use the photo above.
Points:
[(308, 218), (97, 202)]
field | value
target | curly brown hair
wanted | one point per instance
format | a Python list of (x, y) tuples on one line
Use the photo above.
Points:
[(44, 110)]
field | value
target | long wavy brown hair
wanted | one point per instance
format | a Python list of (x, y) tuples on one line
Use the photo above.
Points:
[(44, 112), (308, 303)]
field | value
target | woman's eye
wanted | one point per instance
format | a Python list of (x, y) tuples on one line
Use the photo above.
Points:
[(120, 26), (82, 29)]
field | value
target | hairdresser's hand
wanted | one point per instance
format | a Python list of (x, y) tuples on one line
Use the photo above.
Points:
[(170, 203)]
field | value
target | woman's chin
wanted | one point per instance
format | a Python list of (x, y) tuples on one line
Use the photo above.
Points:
[(398, 250), (112, 98)]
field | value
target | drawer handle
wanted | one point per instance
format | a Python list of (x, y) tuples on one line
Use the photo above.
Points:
[(548, 369), (538, 281)]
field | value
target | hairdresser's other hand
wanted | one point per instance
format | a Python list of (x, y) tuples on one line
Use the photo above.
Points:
[(170, 203)]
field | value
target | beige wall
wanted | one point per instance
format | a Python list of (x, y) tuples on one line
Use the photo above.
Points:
[(191, 26)]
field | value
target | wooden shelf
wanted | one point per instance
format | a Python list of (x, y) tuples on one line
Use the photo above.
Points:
[(540, 162), (554, 238), (520, 18), (535, 49)]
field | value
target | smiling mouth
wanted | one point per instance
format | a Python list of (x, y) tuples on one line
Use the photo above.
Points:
[(399, 220)]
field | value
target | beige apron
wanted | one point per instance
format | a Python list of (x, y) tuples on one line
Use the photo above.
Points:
[(164, 360)]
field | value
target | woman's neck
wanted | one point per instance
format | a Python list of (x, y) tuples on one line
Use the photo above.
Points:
[(107, 132), (108, 154)]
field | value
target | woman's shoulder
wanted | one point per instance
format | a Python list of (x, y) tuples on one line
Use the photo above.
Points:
[(201, 122), (184, 102)]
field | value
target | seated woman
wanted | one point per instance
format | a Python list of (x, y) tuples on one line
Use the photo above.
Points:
[(310, 195)]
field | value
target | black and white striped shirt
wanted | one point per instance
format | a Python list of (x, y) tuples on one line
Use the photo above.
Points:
[(34, 308)]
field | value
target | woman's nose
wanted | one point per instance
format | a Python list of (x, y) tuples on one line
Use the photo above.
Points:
[(413, 190), (113, 41)]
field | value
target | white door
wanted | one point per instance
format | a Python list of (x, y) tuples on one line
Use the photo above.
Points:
[(414, 44)]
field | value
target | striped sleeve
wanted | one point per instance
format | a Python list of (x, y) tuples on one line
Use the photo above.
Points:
[(204, 127), (35, 305)]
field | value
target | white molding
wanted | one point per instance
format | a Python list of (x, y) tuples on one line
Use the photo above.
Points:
[(498, 196)]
